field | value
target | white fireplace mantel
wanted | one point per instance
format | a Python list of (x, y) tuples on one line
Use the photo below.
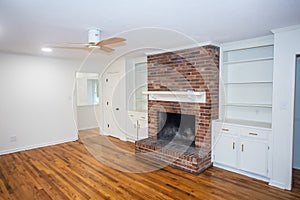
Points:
[(177, 96)]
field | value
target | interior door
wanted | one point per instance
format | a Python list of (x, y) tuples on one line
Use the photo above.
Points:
[(111, 109)]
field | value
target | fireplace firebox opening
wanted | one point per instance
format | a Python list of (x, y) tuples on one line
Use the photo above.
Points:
[(176, 128)]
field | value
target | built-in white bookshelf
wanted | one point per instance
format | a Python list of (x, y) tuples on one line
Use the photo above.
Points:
[(241, 137), (246, 84)]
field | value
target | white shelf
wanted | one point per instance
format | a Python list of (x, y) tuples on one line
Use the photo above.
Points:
[(246, 93), (247, 61), (253, 82), (177, 96), (249, 105), (247, 123)]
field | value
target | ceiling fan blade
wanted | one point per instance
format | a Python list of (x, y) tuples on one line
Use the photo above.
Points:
[(70, 44), (106, 49), (110, 41), (96, 49), (72, 48)]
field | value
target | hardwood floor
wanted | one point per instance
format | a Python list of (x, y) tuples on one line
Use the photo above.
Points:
[(68, 171)]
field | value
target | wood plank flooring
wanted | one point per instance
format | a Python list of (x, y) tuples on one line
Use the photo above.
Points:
[(69, 171)]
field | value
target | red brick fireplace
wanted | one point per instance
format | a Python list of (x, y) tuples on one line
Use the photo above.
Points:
[(197, 70)]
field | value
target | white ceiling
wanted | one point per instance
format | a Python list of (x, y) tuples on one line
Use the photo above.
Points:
[(27, 25)]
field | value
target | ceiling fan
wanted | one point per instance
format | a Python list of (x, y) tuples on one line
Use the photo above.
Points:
[(94, 43)]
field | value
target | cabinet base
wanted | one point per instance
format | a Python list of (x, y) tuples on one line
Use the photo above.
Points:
[(251, 175)]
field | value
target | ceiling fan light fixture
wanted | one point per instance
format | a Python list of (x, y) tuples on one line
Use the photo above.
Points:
[(46, 49), (94, 35), (93, 47)]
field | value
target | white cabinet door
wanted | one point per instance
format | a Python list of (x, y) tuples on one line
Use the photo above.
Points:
[(132, 130), (254, 157), (138, 125), (142, 129), (225, 150)]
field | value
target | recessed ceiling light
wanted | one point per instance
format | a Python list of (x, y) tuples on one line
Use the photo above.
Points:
[(45, 49)]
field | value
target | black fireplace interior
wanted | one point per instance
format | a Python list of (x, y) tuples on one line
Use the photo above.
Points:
[(178, 128)]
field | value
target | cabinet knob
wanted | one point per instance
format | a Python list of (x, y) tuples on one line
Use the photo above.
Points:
[(242, 147), (225, 129), (233, 145)]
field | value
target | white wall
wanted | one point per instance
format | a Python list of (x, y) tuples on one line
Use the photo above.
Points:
[(88, 116), (286, 46), (36, 106), (296, 148)]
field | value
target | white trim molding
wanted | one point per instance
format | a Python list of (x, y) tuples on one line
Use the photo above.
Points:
[(289, 28), (177, 96), (202, 44), (251, 175), (87, 128), (280, 185), (39, 145), (249, 43)]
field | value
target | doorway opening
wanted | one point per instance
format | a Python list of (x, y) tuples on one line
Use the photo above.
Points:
[(87, 100), (296, 135)]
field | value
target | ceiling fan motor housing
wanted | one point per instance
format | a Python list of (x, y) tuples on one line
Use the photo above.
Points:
[(94, 35)]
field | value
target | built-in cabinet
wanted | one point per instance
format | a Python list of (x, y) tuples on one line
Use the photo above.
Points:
[(242, 134), (136, 100), (241, 147), (139, 125)]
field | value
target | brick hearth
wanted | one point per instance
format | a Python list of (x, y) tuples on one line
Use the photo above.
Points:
[(191, 69)]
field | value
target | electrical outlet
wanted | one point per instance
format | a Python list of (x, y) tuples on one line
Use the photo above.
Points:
[(13, 138)]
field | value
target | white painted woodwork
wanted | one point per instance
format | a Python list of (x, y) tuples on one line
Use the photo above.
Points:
[(296, 143), (246, 81), (253, 156), (240, 148), (287, 46), (177, 96), (225, 150), (245, 122), (139, 125), (114, 100)]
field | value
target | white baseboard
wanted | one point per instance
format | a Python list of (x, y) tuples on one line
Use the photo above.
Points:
[(121, 137), (86, 128), (134, 139), (262, 178), (280, 185), (39, 145), (128, 139)]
